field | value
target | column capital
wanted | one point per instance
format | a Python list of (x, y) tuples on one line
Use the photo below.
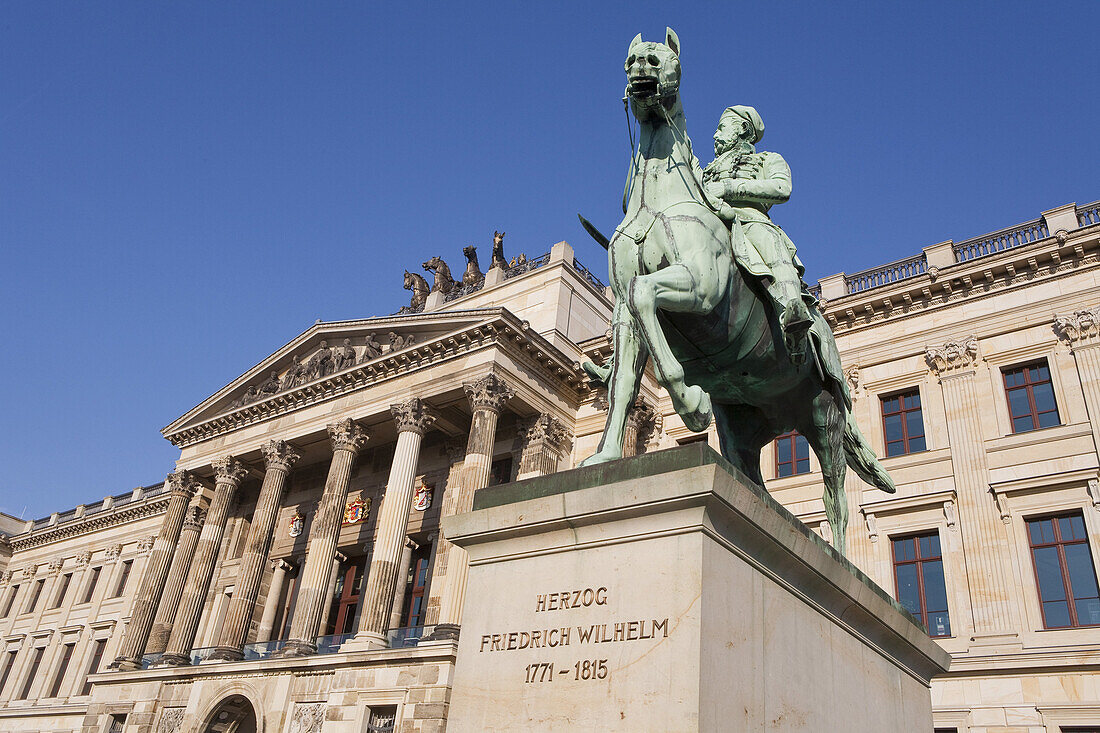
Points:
[(145, 544), (952, 356), (413, 416), (550, 430), (194, 518), (281, 564), (1078, 326), (347, 435), (113, 551), (55, 566), (183, 483), (228, 469), (84, 558), (488, 393), (279, 454)]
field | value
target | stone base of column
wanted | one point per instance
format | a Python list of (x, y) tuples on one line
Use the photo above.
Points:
[(124, 664), (158, 638), (364, 641), (296, 648), (227, 654), (444, 632), (174, 660)]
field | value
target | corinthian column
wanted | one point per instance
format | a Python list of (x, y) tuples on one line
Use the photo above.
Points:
[(279, 456), (1081, 330), (413, 419), (173, 589), (279, 569), (983, 532), (182, 486), (640, 421), (228, 474), (347, 439), (487, 396), (545, 444)]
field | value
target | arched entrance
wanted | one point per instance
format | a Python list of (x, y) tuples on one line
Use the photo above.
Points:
[(233, 715)]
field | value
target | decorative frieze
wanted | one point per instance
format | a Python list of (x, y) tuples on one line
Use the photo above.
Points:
[(1082, 325), (413, 415), (347, 435), (488, 393), (953, 355)]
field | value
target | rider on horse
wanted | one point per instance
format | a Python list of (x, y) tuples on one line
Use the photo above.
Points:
[(746, 185)]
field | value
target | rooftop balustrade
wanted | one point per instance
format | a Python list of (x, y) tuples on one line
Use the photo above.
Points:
[(886, 274), (999, 241)]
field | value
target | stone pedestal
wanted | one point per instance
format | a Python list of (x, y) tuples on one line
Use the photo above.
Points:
[(667, 592)]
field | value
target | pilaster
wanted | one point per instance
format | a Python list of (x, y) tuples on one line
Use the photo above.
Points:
[(1081, 331)]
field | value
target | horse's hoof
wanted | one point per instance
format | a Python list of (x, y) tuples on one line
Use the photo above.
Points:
[(697, 419)]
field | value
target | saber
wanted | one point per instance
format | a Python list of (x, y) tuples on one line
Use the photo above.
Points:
[(594, 232)]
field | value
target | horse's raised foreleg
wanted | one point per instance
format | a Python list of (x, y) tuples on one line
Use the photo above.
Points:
[(677, 289), (627, 365)]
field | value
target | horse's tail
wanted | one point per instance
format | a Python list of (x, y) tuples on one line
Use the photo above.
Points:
[(861, 458)]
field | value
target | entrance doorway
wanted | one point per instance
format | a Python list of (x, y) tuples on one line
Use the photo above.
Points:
[(233, 715)]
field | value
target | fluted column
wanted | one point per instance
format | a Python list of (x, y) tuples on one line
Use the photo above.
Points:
[(545, 443), (399, 589), (1081, 330), (640, 421), (182, 486), (279, 569), (228, 474), (413, 419), (983, 532), (347, 439), (280, 457), (173, 588), (487, 396)]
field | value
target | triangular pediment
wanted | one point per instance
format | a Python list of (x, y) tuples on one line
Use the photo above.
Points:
[(332, 353)]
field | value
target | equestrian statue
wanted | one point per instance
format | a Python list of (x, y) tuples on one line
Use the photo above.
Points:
[(701, 288)]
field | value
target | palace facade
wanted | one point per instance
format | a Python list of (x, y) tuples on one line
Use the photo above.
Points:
[(289, 576)]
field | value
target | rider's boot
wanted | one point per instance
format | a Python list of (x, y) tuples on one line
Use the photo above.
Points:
[(794, 316)]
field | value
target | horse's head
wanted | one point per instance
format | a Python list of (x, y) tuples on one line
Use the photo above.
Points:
[(408, 280), (498, 238), (653, 71), (431, 264), (470, 252)]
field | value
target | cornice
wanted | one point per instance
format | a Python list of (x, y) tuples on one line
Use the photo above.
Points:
[(86, 525), (498, 328), (974, 280)]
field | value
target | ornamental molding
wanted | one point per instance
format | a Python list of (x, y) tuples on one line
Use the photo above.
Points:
[(308, 717), (280, 455), (490, 392), (548, 430), (493, 328), (171, 720), (145, 544), (953, 355), (113, 551), (974, 280), (183, 482), (88, 524), (851, 375), (1082, 325), (84, 559), (413, 416)]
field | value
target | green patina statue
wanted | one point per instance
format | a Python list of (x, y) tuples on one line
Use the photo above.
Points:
[(722, 334)]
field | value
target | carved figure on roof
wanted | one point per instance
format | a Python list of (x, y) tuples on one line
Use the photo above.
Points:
[(270, 385), (419, 287), (399, 342), (320, 364), (717, 343), (373, 350), (345, 356), (295, 374), (250, 395), (473, 275), (498, 251), (443, 283)]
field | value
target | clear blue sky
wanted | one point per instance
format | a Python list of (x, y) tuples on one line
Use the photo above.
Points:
[(187, 186)]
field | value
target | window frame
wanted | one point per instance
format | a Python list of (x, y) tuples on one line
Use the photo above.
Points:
[(1028, 386), (124, 572), (903, 412), (91, 584), (1067, 584), (919, 562), (792, 436)]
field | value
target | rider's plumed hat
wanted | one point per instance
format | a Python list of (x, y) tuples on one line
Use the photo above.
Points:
[(750, 115)]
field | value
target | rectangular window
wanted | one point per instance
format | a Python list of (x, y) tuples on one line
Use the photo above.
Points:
[(62, 668), (93, 666), (89, 588), (32, 673), (66, 579), (903, 424), (118, 723), (918, 577), (9, 662), (12, 593), (501, 471), (1030, 397), (1064, 572), (792, 455), (124, 576), (36, 593), (382, 719)]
